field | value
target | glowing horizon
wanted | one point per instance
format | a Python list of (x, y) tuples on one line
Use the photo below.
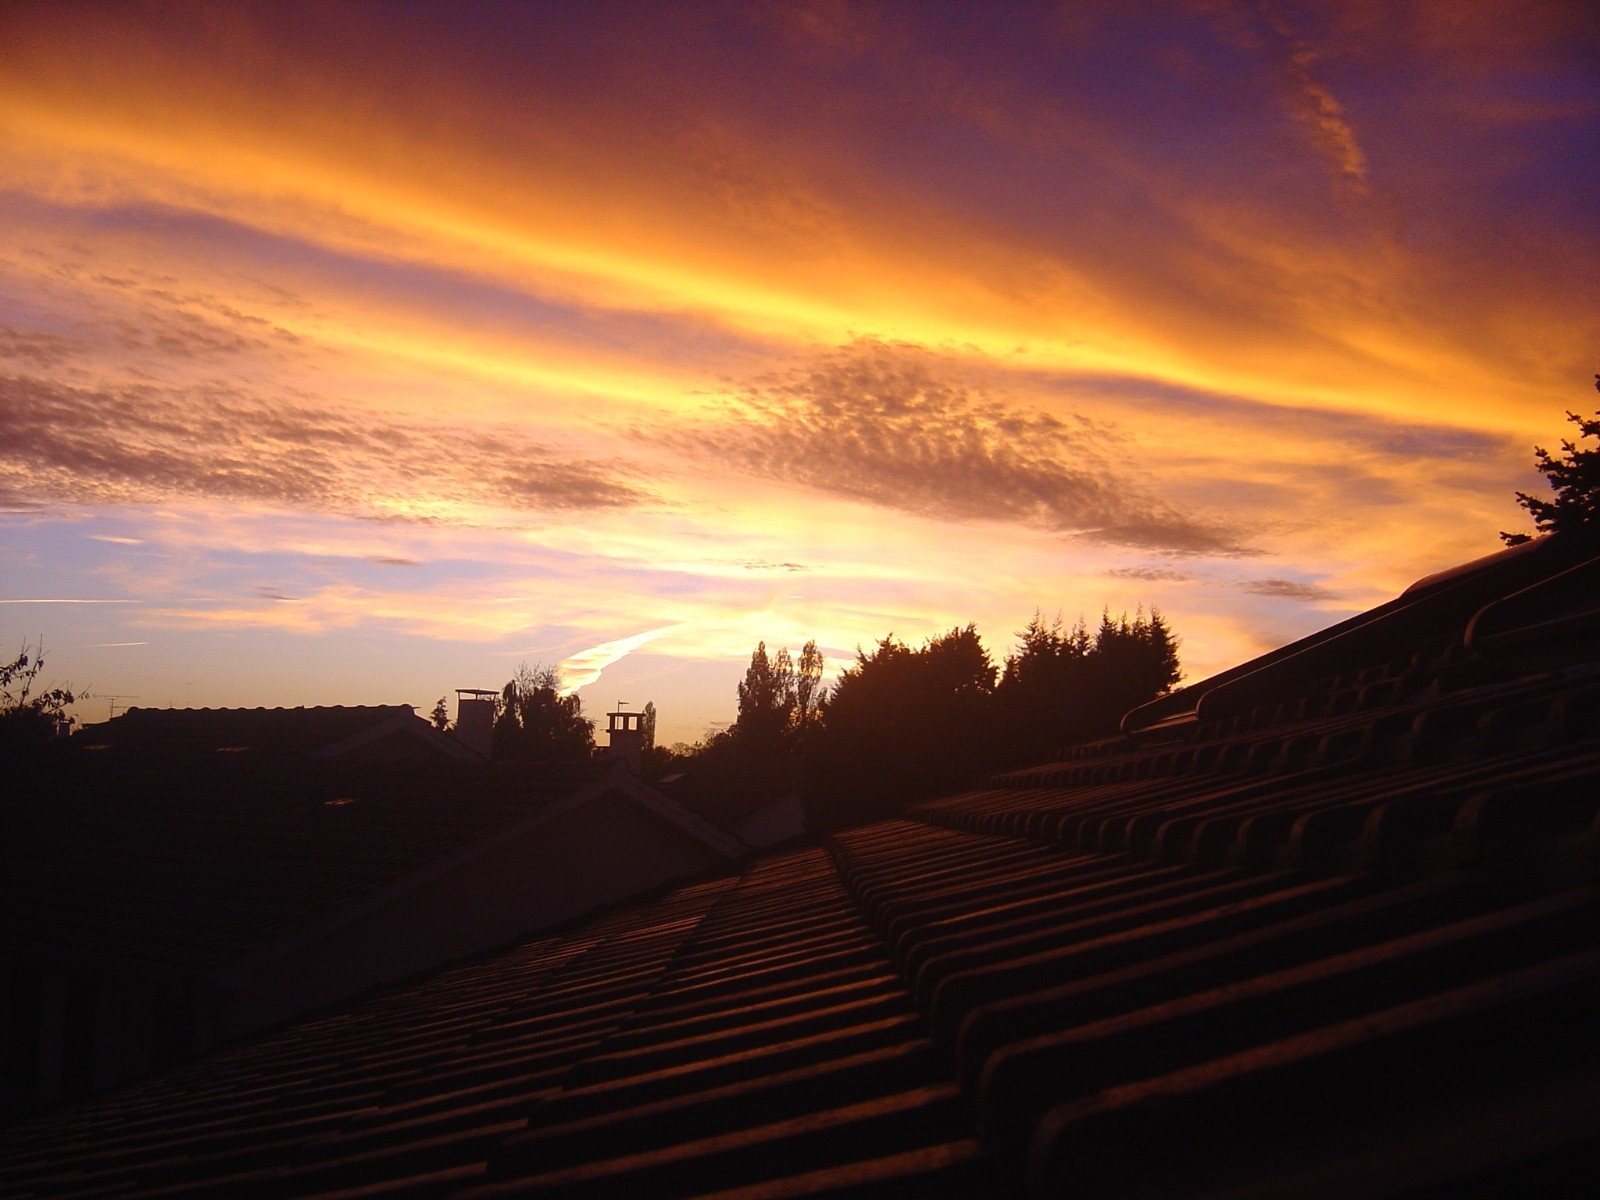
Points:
[(353, 358)]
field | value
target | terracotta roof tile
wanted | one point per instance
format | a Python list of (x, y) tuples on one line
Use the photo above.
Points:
[(1337, 943)]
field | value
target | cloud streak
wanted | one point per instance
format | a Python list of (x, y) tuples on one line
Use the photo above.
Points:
[(1313, 104), (584, 668), (897, 426), (1288, 589), (768, 321), (141, 444)]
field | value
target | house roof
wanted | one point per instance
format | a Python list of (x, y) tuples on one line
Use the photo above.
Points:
[(169, 734), (192, 863), (1339, 941), (187, 865), (1549, 579), (727, 791)]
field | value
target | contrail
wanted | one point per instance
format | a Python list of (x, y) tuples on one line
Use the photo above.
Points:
[(584, 667)]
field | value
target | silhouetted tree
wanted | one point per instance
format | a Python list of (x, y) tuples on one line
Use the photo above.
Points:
[(808, 690), (659, 761), (29, 720), (766, 702), (440, 716), (898, 725), (1574, 478), (756, 758), (902, 724), (647, 726), (1063, 687), (1043, 699), (1132, 661), (535, 722)]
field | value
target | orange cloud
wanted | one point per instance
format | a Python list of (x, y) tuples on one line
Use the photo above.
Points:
[(608, 325)]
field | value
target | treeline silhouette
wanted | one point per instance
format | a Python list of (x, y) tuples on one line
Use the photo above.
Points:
[(32, 716), (903, 723), (535, 722)]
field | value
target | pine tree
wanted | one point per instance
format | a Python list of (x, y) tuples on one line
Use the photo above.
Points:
[(1575, 480), (1066, 686), (901, 724)]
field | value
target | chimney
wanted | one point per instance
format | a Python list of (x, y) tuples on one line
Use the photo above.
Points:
[(475, 719), (626, 732)]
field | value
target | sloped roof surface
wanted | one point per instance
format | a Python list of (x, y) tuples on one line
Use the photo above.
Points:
[(189, 867), (169, 733), (706, 1032), (1341, 942)]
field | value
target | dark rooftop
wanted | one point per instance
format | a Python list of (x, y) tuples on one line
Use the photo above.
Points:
[(190, 866), (1322, 926), (170, 734)]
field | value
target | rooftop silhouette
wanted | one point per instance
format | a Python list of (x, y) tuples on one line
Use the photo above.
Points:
[(1322, 925)]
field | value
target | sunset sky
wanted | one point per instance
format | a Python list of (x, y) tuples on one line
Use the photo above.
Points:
[(355, 353)]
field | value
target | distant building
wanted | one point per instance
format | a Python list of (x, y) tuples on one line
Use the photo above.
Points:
[(475, 720), (386, 733), (625, 734), (175, 878)]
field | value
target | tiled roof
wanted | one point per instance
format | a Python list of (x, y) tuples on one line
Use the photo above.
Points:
[(188, 867), (1338, 942), (726, 792), (709, 1031), (168, 733)]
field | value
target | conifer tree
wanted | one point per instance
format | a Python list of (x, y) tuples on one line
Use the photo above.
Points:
[(900, 724), (1574, 478)]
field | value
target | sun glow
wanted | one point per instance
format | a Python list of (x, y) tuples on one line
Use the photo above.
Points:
[(443, 339)]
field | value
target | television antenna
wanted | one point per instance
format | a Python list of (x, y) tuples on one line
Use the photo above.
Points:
[(111, 704)]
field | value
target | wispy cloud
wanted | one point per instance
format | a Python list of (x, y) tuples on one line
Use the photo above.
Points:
[(1287, 589), (1313, 103), (37, 351), (140, 444), (1150, 574), (1122, 301), (899, 426), (1272, 33)]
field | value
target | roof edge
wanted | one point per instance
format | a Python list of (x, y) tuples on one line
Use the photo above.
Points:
[(1229, 690), (619, 780)]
